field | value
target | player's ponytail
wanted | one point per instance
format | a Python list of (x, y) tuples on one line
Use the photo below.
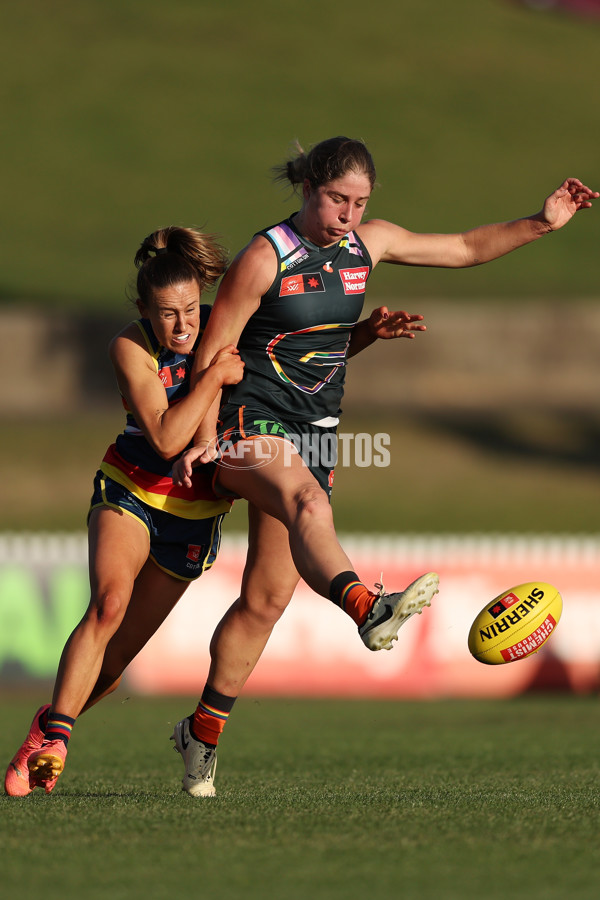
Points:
[(173, 254), (326, 161), (294, 169)]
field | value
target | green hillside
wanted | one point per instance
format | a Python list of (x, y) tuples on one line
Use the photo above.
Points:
[(118, 117)]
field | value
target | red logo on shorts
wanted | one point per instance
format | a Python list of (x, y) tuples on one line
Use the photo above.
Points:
[(194, 552)]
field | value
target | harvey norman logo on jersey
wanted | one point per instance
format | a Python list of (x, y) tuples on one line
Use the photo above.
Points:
[(354, 280)]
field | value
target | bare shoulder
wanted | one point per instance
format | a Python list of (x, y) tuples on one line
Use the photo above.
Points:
[(126, 342), (387, 242), (255, 265), (379, 235), (259, 252)]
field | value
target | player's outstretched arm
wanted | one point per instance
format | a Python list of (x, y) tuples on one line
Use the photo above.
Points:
[(391, 243)]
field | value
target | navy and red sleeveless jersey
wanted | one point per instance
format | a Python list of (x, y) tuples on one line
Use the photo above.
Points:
[(132, 462)]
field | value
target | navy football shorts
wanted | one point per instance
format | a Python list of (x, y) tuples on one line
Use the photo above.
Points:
[(317, 445), (184, 548)]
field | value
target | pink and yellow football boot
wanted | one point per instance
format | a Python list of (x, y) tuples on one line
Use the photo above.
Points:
[(47, 763), (17, 782)]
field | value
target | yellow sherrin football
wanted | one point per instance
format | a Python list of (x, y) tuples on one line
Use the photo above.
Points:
[(516, 624)]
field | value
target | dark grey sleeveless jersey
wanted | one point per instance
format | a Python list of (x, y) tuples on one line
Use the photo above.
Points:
[(295, 344)]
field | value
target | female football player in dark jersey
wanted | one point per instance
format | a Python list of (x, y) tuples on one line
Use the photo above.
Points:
[(148, 538), (291, 302)]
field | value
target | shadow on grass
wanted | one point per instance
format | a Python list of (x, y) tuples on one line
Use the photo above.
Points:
[(569, 439)]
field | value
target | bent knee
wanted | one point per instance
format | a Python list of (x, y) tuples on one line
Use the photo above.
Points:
[(311, 499), (265, 609), (107, 610)]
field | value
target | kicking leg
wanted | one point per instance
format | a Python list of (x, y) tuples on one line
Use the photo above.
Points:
[(286, 490)]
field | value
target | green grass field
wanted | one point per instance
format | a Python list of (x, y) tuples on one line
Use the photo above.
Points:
[(452, 800), (119, 118)]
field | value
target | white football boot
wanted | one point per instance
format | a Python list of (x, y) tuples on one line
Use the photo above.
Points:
[(199, 760), (390, 611)]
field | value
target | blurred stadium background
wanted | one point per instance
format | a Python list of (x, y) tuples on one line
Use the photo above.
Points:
[(119, 118)]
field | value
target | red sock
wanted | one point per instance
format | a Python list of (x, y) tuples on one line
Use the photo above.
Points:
[(351, 595), (211, 715)]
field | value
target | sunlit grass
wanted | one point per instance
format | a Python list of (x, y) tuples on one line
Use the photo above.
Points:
[(322, 799)]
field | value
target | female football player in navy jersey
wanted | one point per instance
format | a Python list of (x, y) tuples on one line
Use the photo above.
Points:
[(291, 302), (148, 537)]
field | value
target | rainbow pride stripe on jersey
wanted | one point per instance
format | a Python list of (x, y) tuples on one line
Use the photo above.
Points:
[(331, 358), (292, 251), (290, 248)]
